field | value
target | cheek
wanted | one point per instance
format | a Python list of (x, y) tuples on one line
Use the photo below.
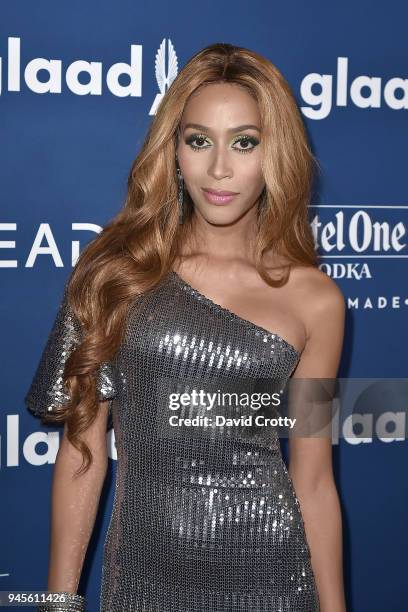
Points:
[(191, 165), (250, 173)]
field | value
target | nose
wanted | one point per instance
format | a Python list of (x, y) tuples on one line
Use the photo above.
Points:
[(220, 164)]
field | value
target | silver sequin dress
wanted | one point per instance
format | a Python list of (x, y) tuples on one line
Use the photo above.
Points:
[(204, 518)]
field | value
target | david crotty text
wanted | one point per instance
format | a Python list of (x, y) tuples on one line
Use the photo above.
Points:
[(220, 421)]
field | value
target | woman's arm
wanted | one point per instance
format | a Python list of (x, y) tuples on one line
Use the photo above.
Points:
[(310, 466), (74, 504)]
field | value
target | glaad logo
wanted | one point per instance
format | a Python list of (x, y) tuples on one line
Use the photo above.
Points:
[(164, 79), (92, 71), (320, 104), (38, 448)]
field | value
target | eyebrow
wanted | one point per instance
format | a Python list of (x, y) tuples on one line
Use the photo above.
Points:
[(238, 128)]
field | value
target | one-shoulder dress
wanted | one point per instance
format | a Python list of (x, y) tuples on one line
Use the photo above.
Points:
[(205, 517)]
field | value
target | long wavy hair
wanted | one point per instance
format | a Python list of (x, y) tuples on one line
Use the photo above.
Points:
[(139, 246)]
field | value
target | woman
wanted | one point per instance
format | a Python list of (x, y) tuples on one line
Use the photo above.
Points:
[(208, 275)]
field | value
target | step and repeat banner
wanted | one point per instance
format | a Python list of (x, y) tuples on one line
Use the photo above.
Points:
[(79, 84)]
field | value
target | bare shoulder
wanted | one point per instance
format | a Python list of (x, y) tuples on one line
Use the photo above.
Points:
[(323, 314), (319, 294), (316, 289)]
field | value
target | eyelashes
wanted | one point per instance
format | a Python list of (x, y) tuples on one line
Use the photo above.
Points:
[(239, 139)]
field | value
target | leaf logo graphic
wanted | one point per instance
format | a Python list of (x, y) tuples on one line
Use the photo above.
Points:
[(164, 77)]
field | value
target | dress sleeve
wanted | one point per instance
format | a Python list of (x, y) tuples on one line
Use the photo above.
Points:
[(46, 392)]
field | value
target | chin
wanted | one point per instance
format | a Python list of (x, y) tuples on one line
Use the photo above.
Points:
[(222, 217)]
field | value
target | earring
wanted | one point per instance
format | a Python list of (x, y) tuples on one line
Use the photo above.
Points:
[(180, 195)]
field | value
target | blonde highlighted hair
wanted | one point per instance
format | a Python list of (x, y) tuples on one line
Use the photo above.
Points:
[(139, 246)]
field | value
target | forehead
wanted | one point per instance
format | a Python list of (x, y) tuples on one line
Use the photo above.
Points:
[(221, 105)]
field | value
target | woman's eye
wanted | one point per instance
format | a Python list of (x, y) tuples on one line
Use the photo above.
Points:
[(247, 143), (200, 140)]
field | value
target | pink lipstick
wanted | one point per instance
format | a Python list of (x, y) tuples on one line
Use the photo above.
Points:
[(219, 197)]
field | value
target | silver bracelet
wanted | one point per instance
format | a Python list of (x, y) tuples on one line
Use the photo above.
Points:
[(73, 603)]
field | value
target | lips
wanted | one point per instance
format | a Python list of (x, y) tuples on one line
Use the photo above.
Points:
[(219, 198), (220, 193)]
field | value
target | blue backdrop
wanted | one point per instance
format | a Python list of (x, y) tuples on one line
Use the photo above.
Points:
[(66, 149)]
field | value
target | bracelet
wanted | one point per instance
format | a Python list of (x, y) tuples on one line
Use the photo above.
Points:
[(73, 603)]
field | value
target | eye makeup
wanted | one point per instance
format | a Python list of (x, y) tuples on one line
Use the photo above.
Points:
[(243, 140)]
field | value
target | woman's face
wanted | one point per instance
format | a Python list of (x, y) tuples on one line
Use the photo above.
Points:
[(221, 151)]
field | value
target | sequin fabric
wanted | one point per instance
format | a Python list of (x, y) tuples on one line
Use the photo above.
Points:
[(203, 519), (46, 392)]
